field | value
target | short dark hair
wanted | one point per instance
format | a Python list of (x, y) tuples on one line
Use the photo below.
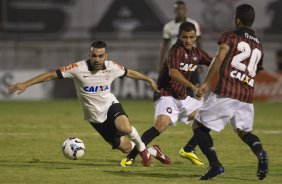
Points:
[(187, 27), (246, 14), (99, 44), (177, 3)]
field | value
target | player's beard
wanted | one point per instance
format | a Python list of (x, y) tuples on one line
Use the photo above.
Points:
[(96, 65), (188, 47)]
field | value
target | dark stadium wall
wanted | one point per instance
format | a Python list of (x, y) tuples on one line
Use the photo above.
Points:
[(45, 35)]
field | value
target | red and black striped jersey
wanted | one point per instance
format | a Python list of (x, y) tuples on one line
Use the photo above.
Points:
[(240, 66), (186, 62)]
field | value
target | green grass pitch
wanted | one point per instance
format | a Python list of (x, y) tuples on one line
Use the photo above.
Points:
[(31, 134)]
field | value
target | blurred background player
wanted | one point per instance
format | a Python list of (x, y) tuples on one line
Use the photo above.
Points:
[(92, 78), (170, 35), (239, 58), (172, 103)]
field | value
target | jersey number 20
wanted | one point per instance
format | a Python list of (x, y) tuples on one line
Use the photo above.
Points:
[(246, 52)]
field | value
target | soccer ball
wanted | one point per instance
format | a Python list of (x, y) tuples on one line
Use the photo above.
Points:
[(73, 148)]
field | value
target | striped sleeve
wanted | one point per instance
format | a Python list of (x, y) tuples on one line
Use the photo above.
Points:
[(174, 57), (205, 58)]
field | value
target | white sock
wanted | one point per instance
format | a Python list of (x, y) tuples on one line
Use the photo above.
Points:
[(132, 145), (135, 138), (152, 151)]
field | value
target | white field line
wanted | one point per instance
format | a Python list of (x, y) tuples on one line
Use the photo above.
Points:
[(271, 131), (47, 134)]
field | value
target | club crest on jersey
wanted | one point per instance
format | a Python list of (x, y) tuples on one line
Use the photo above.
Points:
[(242, 77), (169, 110), (195, 58), (96, 89), (188, 67)]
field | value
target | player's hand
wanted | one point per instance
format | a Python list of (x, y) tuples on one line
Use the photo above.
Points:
[(154, 86), (203, 89), (20, 87), (197, 95)]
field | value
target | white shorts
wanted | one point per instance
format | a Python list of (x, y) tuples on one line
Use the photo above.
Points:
[(177, 110), (217, 111)]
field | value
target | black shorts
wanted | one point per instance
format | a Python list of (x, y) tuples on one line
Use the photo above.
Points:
[(107, 129)]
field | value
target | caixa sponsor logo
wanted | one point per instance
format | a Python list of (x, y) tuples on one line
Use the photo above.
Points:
[(188, 67), (96, 89)]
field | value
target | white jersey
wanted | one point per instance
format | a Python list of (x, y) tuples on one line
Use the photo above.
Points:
[(93, 88), (170, 30)]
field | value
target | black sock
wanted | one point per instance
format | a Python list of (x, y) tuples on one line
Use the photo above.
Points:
[(205, 143), (147, 137), (191, 144), (254, 143)]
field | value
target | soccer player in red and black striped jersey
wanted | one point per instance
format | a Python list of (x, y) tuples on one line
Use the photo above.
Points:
[(239, 59), (172, 103)]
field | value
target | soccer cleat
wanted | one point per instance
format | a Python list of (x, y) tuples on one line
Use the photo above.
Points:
[(126, 162), (191, 156), (212, 172), (262, 165), (146, 158), (160, 156)]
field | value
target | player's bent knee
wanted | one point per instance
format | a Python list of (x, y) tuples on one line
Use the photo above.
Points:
[(123, 125), (162, 123), (195, 124), (242, 133), (125, 145)]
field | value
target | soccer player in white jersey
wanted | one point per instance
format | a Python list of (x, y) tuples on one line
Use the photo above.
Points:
[(92, 79)]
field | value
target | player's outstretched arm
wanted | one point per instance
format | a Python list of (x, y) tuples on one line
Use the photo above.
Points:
[(223, 49), (22, 86), (139, 76)]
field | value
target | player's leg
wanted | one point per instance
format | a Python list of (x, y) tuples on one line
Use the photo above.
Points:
[(123, 126), (114, 137), (254, 143), (190, 108), (205, 143), (214, 114), (165, 111), (125, 145), (243, 124), (111, 135), (148, 136), (192, 142), (188, 151)]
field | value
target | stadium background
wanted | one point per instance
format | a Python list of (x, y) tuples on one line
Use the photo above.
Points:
[(38, 36), (42, 35)]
